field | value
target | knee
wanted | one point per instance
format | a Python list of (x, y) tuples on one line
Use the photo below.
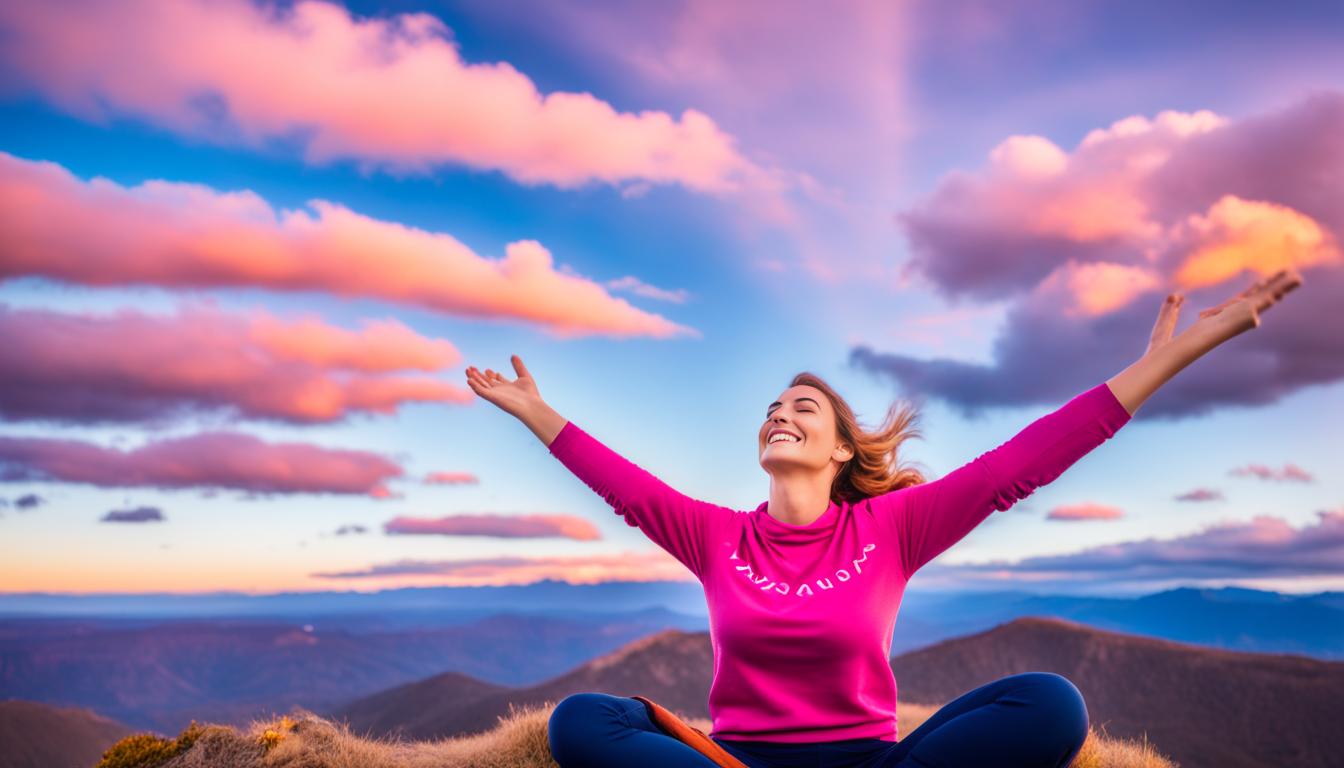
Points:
[(563, 729), (1063, 703)]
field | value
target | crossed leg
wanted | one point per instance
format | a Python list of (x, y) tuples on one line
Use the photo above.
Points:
[(599, 730), (1028, 720)]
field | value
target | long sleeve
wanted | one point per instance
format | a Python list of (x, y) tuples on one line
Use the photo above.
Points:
[(931, 517), (678, 523)]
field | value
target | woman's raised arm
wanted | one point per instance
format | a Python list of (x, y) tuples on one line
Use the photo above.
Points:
[(680, 525), (931, 517), (928, 518)]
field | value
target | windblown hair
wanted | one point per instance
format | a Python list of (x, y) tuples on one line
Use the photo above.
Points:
[(874, 468)]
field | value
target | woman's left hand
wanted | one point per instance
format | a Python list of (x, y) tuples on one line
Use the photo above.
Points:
[(1234, 316)]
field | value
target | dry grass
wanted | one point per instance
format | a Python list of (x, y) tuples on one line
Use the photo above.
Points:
[(305, 740)]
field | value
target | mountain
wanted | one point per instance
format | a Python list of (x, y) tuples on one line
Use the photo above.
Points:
[(1201, 706), (674, 666), (1231, 618), (158, 675), (36, 735)]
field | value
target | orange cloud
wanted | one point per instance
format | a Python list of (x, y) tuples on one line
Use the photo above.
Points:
[(79, 368), (1099, 288), (450, 478), (206, 460), (499, 526), (1239, 235), (187, 235), (391, 91), (1087, 511)]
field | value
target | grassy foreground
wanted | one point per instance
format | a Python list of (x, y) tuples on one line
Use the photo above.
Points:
[(302, 739)]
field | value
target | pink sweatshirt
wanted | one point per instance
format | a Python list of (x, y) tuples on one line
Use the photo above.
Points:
[(801, 616)]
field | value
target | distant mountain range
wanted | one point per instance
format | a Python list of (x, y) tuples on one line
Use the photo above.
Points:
[(1230, 617), (1201, 706), (158, 676)]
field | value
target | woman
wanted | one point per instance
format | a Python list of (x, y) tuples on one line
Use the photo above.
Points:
[(804, 590)]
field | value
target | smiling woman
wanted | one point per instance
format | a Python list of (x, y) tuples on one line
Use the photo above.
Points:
[(803, 591), (831, 445)]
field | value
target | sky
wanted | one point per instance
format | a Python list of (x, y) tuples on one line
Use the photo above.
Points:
[(247, 250)]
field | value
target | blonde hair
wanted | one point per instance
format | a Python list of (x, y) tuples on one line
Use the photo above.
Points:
[(874, 469)]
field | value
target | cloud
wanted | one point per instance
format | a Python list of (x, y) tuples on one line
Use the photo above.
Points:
[(1263, 547), (641, 288), (498, 526), (390, 92), (345, 530), (78, 368), (1086, 244), (1085, 512), (210, 459), (136, 515), (1201, 494), (817, 88), (26, 501), (1290, 472), (178, 235), (497, 571), (451, 478)]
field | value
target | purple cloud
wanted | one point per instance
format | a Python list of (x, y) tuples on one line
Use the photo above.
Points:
[(1088, 243), (136, 515), (29, 501), (1263, 547), (1201, 494), (211, 459), (499, 526), (1290, 472)]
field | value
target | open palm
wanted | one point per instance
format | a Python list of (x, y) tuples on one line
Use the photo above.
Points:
[(514, 397), (1235, 315)]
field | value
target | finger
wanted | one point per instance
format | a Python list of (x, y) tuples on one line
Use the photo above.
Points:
[(1166, 319), (1220, 307), (1281, 283), (519, 367)]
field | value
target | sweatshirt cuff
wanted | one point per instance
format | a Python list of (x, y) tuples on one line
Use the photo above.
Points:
[(1108, 406), (563, 444)]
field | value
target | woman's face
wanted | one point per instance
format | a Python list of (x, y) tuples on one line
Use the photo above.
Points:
[(804, 412)]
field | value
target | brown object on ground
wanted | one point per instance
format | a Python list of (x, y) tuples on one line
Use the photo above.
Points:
[(690, 735)]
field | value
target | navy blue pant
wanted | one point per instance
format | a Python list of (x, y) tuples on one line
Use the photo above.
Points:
[(1031, 720)]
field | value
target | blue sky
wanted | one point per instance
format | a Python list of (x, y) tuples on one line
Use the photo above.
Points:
[(837, 128)]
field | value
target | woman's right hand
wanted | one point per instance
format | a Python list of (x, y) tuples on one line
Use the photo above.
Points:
[(515, 397)]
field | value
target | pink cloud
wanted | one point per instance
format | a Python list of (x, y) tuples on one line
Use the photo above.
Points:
[(498, 526), (1290, 472), (821, 87), (78, 368), (1085, 512), (1086, 244), (1201, 494), (654, 565), (1263, 547), (451, 478), (181, 235), (206, 460), (390, 91)]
